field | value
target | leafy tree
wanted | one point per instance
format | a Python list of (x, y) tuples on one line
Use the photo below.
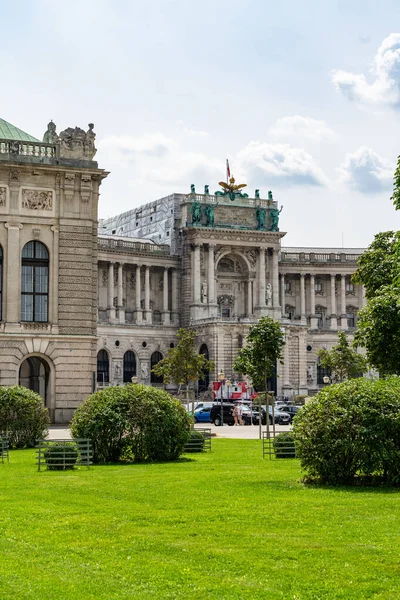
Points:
[(264, 345), (183, 364), (380, 265), (342, 360)]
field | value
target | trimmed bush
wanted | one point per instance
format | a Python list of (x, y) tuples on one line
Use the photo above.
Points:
[(132, 420), (284, 445), (61, 456), (196, 442), (23, 417), (351, 430)]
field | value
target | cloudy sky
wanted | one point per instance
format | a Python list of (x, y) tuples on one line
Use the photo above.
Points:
[(302, 97)]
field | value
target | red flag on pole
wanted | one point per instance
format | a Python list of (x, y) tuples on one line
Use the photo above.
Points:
[(228, 171)]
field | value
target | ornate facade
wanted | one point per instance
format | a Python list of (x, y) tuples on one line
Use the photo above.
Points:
[(81, 310)]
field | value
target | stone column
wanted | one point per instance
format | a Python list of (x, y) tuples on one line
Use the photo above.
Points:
[(302, 300), (313, 318), (138, 308), (286, 364), (249, 298), (333, 303), (120, 299), (110, 294), (275, 278), (165, 314), (283, 293), (343, 316), (147, 311), (261, 278), (196, 274), (211, 274), (174, 307), (55, 263)]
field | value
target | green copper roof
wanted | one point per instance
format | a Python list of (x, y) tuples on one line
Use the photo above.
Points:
[(10, 132)]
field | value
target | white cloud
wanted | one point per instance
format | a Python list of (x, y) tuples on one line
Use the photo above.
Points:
[(367, 172), (279, 164), (385, 89), (128, 148), (305, 128)]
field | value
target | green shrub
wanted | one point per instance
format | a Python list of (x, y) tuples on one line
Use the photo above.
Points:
[(136, 420), (300, 399), (351, 429), (61, 456), (23, 416), (196, 442), (284, 445)]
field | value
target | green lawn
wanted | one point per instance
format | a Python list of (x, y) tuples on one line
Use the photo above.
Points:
[(225, 524)]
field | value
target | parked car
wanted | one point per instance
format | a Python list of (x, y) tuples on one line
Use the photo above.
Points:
[(202, 414), (292, 410), (281, 417), (227, 410)]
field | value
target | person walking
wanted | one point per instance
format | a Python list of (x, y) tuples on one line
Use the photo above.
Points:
[(235, 414), (240, 414)]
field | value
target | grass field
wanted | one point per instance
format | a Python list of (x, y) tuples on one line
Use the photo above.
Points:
[(225, 524)]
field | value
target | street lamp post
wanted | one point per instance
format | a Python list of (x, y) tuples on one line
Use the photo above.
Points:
[(221, 377)]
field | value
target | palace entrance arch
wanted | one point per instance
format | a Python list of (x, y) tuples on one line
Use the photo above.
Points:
[(35, 374)]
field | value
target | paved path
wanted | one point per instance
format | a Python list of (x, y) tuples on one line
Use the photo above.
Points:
[(246, 432)]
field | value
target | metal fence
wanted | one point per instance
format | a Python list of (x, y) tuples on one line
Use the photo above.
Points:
[(61, 455), (199, 443), (278, 446), (4, 446)]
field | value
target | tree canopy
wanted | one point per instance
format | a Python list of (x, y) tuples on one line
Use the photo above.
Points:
[(182, 364), (264, 345), (342, 360)]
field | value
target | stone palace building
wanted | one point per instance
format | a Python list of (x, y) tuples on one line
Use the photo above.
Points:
[(85, 305)]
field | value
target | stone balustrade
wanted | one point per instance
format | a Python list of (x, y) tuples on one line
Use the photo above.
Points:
[(11, 148)]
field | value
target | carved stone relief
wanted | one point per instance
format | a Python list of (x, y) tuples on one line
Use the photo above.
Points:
[(104, 277), (3, 196), (37, 199)]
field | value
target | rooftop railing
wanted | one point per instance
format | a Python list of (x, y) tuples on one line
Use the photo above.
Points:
[(212, 199), (14, 148), (311, 257), (127, 246)]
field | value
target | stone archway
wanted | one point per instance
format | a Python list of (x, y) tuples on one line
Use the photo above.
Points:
[(233, 285), (35, 374)]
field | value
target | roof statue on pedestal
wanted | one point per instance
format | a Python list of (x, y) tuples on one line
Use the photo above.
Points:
[(76, 144), (51, 136), (232, 190)]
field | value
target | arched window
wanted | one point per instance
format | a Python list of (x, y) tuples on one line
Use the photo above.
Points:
[(103, 367), (155, 359), (129, 366), (1, 282), (35, 283)]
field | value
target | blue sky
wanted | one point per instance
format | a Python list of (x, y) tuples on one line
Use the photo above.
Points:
[(303, 98)]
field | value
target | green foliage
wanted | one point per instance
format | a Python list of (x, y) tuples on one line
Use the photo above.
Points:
[(23, 416), (182, 364), (61, 456), (379, 266), (196, 442), (263, 349), (284, 445), (351, 429), (342, 360), (396, 186), (136, 420), (378, 331)]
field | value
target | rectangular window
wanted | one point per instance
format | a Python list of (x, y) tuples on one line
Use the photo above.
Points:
[(351, 320), (350, 288), (288, 287), (26, 307), (226, 313), (318, 287)]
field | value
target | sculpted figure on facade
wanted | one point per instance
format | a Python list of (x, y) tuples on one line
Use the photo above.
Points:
[(209, 212), (204, 292), (196, 212), (310, 374), (144, 371), (3, 196), (76, 144), (260, 216), (275, 219), (268, 294), (51, 136), (206, 190), (37, 200)]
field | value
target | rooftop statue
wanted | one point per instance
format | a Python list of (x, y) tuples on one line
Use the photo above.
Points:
[(209, 212), (192, 188), (275, 218), (257, 194), (76, 144), (207, 190), (260, 216), (232, 190), (51, 136), (196, 212), (270, 197)]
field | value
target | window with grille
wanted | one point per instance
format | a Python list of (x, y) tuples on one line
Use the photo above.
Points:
[(129, 366), (35, 283)]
